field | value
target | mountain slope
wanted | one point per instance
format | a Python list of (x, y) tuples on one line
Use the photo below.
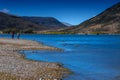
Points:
[(49, 22), (67, 24), (9, 21), (106, 22)]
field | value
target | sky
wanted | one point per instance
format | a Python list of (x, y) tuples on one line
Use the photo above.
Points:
[(70, 11)]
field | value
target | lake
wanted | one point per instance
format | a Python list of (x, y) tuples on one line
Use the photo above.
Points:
[(90, 57)]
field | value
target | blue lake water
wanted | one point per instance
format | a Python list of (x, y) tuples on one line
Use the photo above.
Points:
[(90, 57)]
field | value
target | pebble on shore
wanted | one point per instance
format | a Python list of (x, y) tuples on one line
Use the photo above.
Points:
[(14, 66)]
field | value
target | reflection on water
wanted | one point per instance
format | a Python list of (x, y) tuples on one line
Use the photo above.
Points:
[(90, 57)]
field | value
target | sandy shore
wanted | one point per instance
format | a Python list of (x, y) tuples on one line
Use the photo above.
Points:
[(13, 66)]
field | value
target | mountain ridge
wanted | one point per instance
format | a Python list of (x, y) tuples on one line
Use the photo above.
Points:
[(107, 22), (49, 22), (8, 21)]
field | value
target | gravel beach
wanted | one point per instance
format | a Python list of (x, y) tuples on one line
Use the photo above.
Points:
[(13, 66)]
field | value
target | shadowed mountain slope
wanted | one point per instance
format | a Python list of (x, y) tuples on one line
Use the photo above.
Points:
[(106, 22), (49, 22), (8, 21)]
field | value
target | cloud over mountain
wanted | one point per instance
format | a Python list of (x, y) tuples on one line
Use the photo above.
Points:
[(5, 10)]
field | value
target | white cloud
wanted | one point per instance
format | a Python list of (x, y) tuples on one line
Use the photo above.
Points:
[(5, 10)]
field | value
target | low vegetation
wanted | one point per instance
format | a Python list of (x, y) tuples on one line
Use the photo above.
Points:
[(29, 30), (57, 32)]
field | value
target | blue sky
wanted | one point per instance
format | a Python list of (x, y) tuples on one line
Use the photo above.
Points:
[(71, 11)]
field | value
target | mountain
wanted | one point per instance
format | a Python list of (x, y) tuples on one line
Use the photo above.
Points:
[(8, 22), (67, 24), (107, 22), (49, 22)]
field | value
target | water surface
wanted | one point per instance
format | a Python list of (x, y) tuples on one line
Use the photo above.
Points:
[(90, 57)]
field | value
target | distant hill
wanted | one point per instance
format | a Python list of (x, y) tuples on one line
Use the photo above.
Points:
[(107, 22), (67, 24), (49, 22), (8, 21)]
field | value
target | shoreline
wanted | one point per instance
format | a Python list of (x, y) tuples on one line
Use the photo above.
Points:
[(14, 65)]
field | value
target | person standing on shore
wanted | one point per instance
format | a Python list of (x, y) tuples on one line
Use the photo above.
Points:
[(18, 35), (13, 34)]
